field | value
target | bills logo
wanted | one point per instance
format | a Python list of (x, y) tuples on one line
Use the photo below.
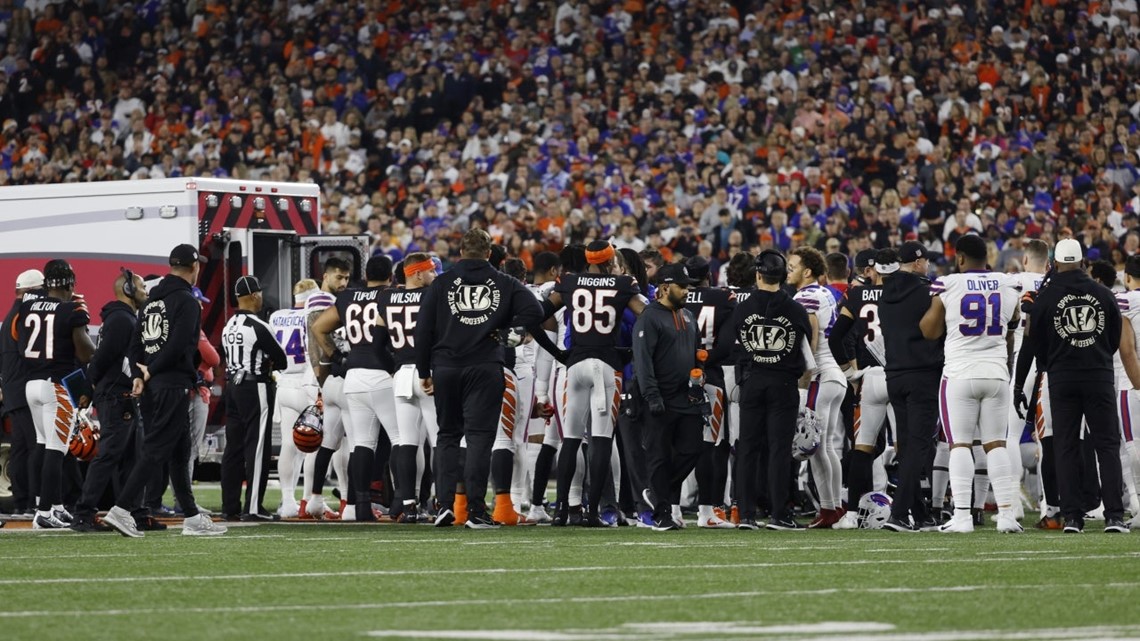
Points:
[(473, 303)]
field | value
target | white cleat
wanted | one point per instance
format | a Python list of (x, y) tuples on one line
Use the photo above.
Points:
[(347, 514), (202, 525), (714, 522), (538, 514), (960, 523), (1008, 524), (318, 509), (849, 521), (289, 510)]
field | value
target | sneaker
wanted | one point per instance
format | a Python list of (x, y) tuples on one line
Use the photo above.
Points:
[(537, 514), (666, 524), (645, 519), (409, 515), (62, 514), (316, 508), (1049, 523), (1007, 523), (747, 524), (960, 523), (480, 522), (48, 521), (445, 518), (202, 525), (930, 524), (611, 517), (1115, 526), (714, 523), (149, 524), (786, 524), (849, 521), (123, 522), (895, 525), (1073, 526)]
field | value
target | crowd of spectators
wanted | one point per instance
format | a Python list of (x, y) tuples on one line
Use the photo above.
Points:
[(693, 127)]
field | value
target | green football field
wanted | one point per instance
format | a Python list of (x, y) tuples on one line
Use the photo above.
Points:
[(346, 581)]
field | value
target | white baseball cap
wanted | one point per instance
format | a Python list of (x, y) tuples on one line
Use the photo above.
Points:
[(1068, 251), (30, 279)]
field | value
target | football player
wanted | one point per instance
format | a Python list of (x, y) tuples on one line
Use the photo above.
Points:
[(367, 381), (1129, 403), (547, 268), (293, 395), (52, 337), (976, 310), (860, 314), (828, 385), (415, 410), (712, 307), (595, 300), (328, 378)]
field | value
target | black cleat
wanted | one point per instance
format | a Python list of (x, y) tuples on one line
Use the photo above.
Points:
[(1115, 526), (446, 518), (1074, 526), (748, 524), (895, 525), (785, 524)]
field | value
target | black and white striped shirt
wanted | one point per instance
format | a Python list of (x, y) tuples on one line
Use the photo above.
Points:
[(247, 342)]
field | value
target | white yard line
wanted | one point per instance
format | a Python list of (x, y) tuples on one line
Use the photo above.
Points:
[(303, 607), (543, 570)]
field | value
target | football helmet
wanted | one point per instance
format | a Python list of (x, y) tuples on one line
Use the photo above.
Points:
[(809, 432), (84, 441), (874, 510), (308, 429)]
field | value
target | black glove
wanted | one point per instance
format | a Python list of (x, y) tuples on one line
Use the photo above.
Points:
[(1020, 403), (656, 406)]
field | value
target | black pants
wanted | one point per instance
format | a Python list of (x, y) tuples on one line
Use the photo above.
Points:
[(249, 419), (166, 439), (672, 444), (25, 486), (118, 422), (1094, 401), (768, 409), (914, 397), (467, 402)]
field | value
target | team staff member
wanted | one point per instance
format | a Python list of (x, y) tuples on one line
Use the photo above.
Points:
[(117, 410), (914, 371), (664, 352), (461, 314), (247, 343), (24, 455), (772, 329), (1074, 329), (163, 360)]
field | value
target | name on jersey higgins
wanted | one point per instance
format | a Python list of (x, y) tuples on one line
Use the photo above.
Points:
[(473, 303), (767, 340), (1079, 319), (155, 326), (597, 281)]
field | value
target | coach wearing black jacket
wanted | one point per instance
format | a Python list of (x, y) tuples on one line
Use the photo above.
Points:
[(24, 455), (1074, 329), (117, 409), (914, 370), (461, 317), (164, 366), (664, 352)]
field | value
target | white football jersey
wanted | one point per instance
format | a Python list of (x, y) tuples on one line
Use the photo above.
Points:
[(1129, 305), (527, 353), (289, 329), (1024, 282), (979, 306), (318, 302), (820, 302)]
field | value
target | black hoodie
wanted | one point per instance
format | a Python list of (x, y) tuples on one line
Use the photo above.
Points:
[(905, 299), (168, 330), (461, 312), (109, 370)]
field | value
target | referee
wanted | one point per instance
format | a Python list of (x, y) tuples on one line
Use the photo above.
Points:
[(247, 342), (1074, 329)]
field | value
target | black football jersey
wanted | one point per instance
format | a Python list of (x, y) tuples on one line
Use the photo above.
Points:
[(44, 329), (863, 304), (711, 307), (358, 310), (595, 303), (399, 309)]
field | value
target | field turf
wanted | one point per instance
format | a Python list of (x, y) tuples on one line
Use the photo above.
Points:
[(345, 581)]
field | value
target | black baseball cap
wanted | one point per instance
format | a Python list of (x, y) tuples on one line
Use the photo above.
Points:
[(185, 256), (676, 274), (865, 259), (246, 286), (911, 251)]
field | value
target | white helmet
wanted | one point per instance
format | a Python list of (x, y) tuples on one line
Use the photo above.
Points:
[(809, 431), (874, 510)]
